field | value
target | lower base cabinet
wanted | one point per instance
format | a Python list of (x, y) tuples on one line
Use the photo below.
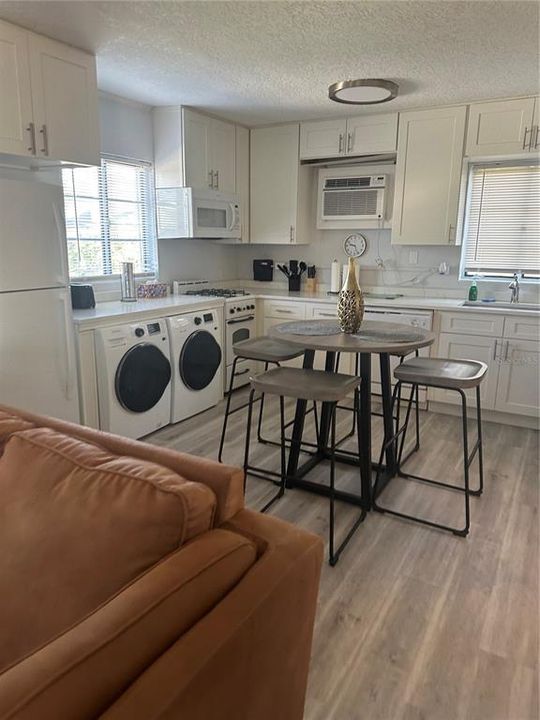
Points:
[(518, 389)]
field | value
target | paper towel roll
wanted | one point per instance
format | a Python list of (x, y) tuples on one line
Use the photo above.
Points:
[(335, 280)]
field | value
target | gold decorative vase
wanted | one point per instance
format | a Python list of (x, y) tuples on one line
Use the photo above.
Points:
[(350, 307)]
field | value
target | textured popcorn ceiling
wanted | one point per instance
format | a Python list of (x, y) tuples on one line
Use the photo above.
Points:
[(260, 62)]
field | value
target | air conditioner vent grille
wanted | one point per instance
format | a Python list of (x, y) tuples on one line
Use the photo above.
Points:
[(362, 203), (339, 183)]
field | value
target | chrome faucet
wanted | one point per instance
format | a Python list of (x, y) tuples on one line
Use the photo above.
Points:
[(514, 287)]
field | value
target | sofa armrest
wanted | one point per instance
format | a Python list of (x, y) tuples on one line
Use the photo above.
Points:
[(249, 657), (226, 482), (78, 674)]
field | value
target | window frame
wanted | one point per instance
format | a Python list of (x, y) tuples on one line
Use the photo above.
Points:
[(463, 218), (104, 224)]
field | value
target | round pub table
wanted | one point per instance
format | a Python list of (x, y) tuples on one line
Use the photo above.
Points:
[(374, 338)]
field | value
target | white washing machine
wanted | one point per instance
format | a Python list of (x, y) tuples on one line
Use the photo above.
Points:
[(134, 378), (197, 362)]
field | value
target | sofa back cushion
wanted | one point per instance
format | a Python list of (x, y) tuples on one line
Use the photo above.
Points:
[(76, 525)]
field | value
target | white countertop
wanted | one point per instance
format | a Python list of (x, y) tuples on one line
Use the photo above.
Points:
[(106, 312)]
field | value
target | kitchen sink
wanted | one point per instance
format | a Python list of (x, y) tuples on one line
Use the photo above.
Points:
[(502, 305)]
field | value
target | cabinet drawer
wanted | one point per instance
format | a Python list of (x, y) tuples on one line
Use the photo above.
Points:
[(323, 311), (285, 310), (472, 323), (522, 328)]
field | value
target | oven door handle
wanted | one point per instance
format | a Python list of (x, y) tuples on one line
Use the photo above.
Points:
[(239, 320)]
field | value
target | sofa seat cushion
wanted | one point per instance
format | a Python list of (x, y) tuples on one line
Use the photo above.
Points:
[(76, 525), (81, 672)]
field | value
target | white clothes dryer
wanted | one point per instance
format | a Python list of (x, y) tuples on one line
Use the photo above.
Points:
[(134, 378), (197, 362)]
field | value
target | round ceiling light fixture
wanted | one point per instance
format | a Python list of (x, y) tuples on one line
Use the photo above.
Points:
[(363, 92)]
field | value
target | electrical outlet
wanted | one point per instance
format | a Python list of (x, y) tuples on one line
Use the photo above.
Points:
[(413, 257)]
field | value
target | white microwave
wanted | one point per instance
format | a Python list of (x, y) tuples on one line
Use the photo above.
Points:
[(186, 212), (346, 200)]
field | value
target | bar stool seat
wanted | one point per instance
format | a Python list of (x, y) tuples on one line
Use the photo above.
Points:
[(441, 372), (457, 376), (267, 349), (307, 385)]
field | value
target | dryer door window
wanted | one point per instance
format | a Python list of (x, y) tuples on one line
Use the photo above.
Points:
[(142, 377), (199, 360)]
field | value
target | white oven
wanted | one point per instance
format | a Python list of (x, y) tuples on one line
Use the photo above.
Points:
[(194, 213), (240, 324)]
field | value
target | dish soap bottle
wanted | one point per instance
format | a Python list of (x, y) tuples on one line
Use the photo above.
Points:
[(473, 291)]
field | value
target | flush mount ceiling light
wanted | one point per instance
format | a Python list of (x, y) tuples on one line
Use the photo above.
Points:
[(363, 92)]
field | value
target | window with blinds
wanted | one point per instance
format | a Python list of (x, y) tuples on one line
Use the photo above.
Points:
[(109, 218), (501, 232)]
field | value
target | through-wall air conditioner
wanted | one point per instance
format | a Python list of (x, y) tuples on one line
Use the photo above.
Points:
[(349, 199)]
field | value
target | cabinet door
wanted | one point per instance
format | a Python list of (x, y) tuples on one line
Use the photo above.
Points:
[(322, 139), (372, 134), (274, 184), (65, 101), (222, 157), (518, 388), (470, 347), (498, 128), (196, 133), (16, 99), (242, 178), (428, 175)]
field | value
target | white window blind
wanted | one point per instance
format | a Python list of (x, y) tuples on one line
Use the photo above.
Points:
[(109, 218), (501, 233)]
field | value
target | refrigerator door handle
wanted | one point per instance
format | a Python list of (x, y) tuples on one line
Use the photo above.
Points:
[(68, 348), (60, 232)]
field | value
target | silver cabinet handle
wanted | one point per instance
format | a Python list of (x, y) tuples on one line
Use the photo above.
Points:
[(450, 238), (286, 312), (506, 351), (340, 148), (495, 350), (32, 130), (211, 179), (536, 133), (527, 131), (291, 234), (45, 148), (330, 315), (349, 141), (216, 174)]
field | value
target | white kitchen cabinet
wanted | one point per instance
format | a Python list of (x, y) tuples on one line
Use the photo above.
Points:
[(518, 388), (361, 135), (470, 347), (242, 178), (209, 147), (505, 127), (49, 105), (368, 134), (321, 139), (16, 116), (279, 187), (428, 176)]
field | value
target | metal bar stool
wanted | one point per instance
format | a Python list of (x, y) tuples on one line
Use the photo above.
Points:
[(457, 375), (269, 351), (318, 386)]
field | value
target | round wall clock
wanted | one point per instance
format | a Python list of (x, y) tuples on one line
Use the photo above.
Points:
[(355, 245)]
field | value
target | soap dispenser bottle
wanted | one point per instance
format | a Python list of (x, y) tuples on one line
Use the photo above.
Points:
[(473, 291)]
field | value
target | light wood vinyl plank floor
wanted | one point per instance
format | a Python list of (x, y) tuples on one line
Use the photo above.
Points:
[(414, 623)]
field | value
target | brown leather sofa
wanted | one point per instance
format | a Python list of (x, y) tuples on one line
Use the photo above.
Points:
[(134, 584)]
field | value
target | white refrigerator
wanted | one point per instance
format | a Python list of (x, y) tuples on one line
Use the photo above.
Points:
[(37, 354)]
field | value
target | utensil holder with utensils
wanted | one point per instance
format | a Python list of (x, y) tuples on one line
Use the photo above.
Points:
[(293, 272)]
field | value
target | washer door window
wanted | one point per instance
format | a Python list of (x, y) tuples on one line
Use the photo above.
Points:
[(199, 360), (142, 377)]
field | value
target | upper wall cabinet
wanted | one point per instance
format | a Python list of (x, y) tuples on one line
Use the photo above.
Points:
[(428, 175), (49, 107), (242, 178), (278, 187), (362, 135), (193, 150), (505, 127)]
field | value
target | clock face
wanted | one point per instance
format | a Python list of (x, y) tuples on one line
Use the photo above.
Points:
[(355, 245)]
